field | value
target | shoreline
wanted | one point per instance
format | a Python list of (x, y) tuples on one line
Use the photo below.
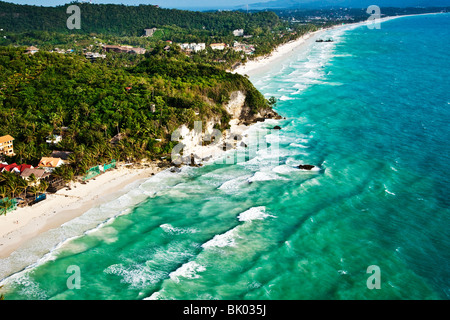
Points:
[(282, 50), (19, 227), (23, 224)]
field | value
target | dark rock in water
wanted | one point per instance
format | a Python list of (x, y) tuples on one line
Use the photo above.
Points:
[(175, 169), (306, 166), (277, 128), (243, 144), (193, 159), (237, 137)]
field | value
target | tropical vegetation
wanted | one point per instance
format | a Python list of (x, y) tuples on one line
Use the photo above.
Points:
[(90, 103)]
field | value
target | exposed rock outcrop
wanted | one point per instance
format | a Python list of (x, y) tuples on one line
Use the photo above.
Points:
[(192, 141), (238, 110), (306, 166)]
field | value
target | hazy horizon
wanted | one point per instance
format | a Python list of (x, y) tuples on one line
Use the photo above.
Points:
[(181, 4)]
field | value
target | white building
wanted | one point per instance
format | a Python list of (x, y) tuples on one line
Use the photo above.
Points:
[(217, 46), (53, 139), (199, 47), (193, 46), (238, 32)]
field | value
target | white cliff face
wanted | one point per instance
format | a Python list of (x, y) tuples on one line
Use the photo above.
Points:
[(236, 103), (190, 141)]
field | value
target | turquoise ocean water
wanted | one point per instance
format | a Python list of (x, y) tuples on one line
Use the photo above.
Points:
[(371, 110)]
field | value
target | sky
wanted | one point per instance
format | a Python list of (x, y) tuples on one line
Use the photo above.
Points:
[(161, 3), (217, 4)]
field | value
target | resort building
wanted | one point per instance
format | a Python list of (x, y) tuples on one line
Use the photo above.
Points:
[(7, 167), (6, 145), (49, 164), (238, 32), (94, 55), (53, 139), (193, 46), (21, 168), (38, 173), (31, 50), (247, 48), (218, 46)]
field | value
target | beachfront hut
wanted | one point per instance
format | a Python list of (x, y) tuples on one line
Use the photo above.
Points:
[(38, 173), (49, 164)]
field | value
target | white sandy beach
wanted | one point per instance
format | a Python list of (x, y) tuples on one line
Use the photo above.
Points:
[(281, 51), (21, 225)]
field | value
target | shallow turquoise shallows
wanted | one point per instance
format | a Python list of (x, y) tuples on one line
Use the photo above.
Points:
[(371, 110)]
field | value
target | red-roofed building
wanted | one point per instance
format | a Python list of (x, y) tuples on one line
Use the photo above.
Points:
[(21, 168), (8, 167), (14, 167)]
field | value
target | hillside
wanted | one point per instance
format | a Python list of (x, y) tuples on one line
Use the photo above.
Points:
[(122, 20), (90, 103)]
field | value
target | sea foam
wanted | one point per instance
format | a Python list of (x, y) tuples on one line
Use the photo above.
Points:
[(174, 230), (226, 239), (188, 270), (254, 213)]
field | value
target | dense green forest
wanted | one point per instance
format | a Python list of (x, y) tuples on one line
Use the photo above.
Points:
[(119, 24), (122, 20), (89, 103), (141, 98)]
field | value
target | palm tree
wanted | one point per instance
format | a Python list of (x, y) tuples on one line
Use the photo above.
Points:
[(104, 127), (64, 172), (43, 186), (7, 176), (3, 191), (19, 148), (5, 204), (14, 187), (35, 191), (32, 179)]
